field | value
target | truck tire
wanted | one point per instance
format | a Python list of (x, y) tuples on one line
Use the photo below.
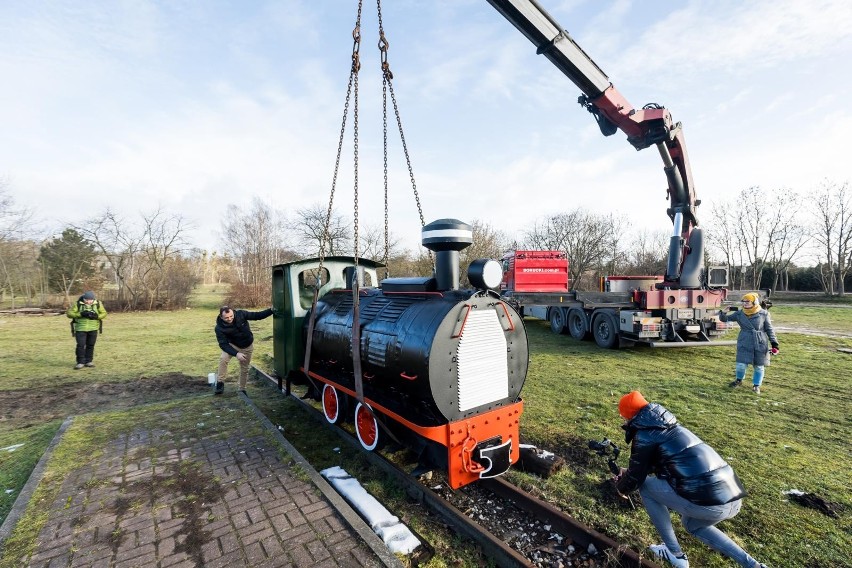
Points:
[(578, 324), (557, 320), (605, 330)]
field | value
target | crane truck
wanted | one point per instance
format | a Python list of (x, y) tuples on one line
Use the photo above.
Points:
[(625, 310), (681, 307)]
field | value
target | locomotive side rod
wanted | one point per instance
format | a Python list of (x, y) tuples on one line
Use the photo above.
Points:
[(493, 546)]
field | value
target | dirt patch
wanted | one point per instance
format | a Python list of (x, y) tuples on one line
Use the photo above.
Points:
[(26, 407), (810, 331)]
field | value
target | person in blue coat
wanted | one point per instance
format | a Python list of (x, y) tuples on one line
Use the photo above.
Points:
[(755, 341)]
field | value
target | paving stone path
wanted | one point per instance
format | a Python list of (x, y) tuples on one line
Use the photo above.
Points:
[(216, 502)]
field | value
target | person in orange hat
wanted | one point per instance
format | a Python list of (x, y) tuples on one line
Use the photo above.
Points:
[(675, 471), (755, 341)]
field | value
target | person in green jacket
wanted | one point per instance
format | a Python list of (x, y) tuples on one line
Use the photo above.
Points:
[(86, 313)]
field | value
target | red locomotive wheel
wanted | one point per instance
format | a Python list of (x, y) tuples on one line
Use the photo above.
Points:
[(330, 404), (366, 427)]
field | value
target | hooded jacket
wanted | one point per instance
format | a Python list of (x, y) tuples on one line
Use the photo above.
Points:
[(756, 335), (81, 323), (662, 447), (238, 331)]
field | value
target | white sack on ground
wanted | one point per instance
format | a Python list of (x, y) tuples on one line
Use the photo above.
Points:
[(396, 536)]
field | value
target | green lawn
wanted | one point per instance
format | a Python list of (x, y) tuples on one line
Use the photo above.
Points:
[(793, 436), (836, 319)]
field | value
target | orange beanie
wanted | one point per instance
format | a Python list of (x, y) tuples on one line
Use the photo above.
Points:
[(630, 404)]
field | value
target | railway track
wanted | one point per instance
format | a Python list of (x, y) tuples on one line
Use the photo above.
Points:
[(566, 541)]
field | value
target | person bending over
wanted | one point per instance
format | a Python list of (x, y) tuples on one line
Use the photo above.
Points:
[(236, 340), (674, 470)]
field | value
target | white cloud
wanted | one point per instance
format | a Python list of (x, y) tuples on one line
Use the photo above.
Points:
[(194, 107)]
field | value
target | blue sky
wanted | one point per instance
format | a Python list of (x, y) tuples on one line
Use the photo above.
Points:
[(193, 106)]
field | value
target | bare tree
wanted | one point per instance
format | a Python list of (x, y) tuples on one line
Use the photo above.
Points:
[(373, 245), (15, 258), (584, 237), (208, 267), (754, 231), (760, 230), (786, 234), (832, 209), (143, 261), (743, 232), (549, 233), (255, 240), (164, 241), (310, 232), (722, 235), (647, 252), (488, 242), (116, 242), (615, 257)]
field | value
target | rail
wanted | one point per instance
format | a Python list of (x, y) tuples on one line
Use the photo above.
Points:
[(492, 545)]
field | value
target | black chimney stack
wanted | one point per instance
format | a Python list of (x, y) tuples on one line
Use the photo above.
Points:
[(447, 237)]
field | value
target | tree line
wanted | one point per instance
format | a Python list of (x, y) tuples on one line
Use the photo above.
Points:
[(777, 239)]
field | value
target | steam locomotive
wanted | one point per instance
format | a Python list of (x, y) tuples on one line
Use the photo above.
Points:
[(431, 366)]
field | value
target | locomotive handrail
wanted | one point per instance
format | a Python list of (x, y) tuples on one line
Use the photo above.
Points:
[(460, 324), (508, 317)]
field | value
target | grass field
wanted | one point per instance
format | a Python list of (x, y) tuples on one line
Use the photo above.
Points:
[(793, 436)]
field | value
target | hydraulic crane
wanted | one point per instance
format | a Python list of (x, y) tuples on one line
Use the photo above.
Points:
[(652, 125)]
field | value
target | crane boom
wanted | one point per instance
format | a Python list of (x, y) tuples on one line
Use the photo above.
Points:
[(651, 125)]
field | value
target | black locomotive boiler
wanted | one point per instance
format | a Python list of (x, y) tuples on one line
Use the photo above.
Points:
[(435, 367)]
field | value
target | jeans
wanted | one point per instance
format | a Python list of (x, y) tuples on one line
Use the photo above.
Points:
[(757, 375), (658, 497), (244, 365), (85, 351)]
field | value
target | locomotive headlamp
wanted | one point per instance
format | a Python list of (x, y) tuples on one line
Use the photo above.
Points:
[(485, 273)]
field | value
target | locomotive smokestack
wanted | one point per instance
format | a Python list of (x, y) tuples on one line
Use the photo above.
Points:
[(447, 237)]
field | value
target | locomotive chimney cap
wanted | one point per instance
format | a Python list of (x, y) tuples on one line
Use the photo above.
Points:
[(447, 235)]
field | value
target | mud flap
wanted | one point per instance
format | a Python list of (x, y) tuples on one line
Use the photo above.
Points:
[(494, 457)]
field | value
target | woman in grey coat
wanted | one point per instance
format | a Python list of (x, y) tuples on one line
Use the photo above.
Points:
[(755, 341)]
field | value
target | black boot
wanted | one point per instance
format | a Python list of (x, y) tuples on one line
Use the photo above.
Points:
[(220, 387)]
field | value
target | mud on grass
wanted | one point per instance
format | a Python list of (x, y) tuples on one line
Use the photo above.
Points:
[(22, 408)]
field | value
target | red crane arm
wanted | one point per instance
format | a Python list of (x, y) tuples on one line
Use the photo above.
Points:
[(650, 125)]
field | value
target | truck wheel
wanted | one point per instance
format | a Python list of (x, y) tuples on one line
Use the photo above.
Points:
[(557, 320), (578, 326), (605, 330)]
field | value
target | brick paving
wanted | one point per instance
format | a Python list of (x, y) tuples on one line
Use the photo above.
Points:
[(214, 503)]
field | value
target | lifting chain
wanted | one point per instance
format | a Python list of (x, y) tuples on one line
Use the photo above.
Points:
[(326, 232), (387, 85), (352, 95)]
